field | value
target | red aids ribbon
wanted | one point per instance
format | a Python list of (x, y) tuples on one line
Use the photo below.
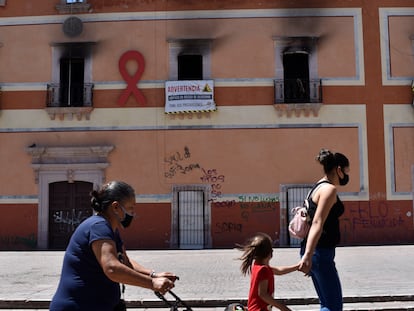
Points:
[(131, 80)]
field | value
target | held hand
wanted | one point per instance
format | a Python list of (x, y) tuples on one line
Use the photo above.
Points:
[(305, 265), (162, 284)]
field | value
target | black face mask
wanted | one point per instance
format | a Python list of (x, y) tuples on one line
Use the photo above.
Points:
[(345, 180), (127, 218)]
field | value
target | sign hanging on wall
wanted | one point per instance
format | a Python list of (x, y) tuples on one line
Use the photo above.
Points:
[(189, 96)]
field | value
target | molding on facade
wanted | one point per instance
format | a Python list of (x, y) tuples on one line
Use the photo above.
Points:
[(70, 159), (69, 113), (297, 109), (55, 164)]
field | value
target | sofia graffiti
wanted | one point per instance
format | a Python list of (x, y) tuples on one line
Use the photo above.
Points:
[(175, 165)]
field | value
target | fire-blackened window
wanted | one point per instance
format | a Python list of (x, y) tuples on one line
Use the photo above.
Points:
[(296, 71), (190, 67), (71, 82), (296, 77), (72, 75), (190, 59)]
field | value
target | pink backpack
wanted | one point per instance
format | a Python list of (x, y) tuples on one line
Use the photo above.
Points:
[(301, 222)]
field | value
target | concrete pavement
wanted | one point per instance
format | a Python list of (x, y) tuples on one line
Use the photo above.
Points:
[(371, 276)]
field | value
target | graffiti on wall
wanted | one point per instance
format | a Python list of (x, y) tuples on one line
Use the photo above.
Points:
[(257, 204), (228, 227), (175, 163), (216, 180), (69, 220), (374, 216), (248, 204)]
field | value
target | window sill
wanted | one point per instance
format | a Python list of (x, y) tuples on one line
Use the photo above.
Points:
[(297, 109), (69, 113), (73, 8)]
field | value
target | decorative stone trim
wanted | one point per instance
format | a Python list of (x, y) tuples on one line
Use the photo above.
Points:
[(73, 8), (69, 112), (68, 159), (297, 109), (56, 164)]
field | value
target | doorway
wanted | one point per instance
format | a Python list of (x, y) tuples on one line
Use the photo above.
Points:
[(291, 195), (69, 205), (191, 217)]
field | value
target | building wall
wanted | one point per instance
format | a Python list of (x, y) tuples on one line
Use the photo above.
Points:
[(247, 150)]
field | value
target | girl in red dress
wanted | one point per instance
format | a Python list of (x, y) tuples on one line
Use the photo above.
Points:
[(257, 253)]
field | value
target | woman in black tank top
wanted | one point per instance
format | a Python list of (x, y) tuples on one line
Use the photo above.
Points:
[(318, 248)]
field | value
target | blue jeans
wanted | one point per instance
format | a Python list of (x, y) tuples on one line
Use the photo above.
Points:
[(326, 280)]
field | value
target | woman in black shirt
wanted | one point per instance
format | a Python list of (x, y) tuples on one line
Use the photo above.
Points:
[(318, 248)]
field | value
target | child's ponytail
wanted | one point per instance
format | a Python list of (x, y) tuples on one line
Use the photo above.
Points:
[(257, 247)]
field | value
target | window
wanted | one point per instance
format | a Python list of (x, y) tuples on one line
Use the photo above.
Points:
[(75, 1), (2, 2), (190, 67), (72, 74), (71, 82), (190, 59), (297, 79)]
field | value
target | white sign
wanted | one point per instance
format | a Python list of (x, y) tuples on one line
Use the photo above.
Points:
[(189, 96)]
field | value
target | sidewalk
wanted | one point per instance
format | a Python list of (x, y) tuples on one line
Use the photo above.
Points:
[(211, 278)]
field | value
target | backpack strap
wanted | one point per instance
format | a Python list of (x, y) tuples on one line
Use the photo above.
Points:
[(315, 187)]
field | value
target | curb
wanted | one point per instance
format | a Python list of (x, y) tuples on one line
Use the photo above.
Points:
[(209, 303)]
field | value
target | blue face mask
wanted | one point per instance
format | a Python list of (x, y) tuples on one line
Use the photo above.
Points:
[(127, 218)]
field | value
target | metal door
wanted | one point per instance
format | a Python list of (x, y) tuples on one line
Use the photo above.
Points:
[(295, 195), (69, 205), (191, 219)]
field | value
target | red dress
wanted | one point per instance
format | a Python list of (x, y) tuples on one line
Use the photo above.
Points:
[(259, 273)]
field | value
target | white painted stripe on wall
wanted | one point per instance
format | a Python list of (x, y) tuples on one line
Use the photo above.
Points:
[(259, 116), (174, 15), (168, 197), (18, 199), (395, 116), (384, 14)]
